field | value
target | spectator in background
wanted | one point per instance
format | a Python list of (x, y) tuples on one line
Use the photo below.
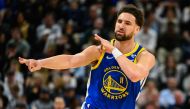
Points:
[(150, 105), (186, 15), (171, 68), (13, 87), (73, 44), (70, 98), (49, 24), (147, 37), (69, 80), (3, 98), (59, 103), (186, 33), (180, 99), (54, 6), (110, 16), (150, 18), (167, 96), (6, 20), (172, 15), (49, 30), (186, 45), (76, 14), (21, 105), (186, 88), (169, 42), (14, 66), (10, 54), (92, 15), (15, 97), (22, 46), (1, 104), (57, 85), (149, 94), (97, 28), (23, 25), (33, 87), (44, 101)]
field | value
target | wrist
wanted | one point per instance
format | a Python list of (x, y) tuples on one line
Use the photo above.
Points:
[(116, 53), (39, 63)]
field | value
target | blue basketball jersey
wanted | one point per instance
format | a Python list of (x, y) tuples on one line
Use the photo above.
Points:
[(108, 86)]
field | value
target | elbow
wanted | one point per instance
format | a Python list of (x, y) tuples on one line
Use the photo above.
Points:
[(137, 76), (134, 78)]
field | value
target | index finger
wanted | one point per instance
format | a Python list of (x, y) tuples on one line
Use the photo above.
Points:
[(23, 61), (97, 37)]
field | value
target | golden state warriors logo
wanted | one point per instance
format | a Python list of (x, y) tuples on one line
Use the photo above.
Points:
[(114, 83)]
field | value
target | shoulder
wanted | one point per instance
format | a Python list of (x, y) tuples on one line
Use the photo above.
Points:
[(94, 48), (147, 56), (94, 51)]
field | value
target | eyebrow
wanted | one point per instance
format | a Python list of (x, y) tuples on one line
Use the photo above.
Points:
[(127, 21)]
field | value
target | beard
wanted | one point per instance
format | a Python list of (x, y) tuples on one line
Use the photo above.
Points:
[(123, 37)]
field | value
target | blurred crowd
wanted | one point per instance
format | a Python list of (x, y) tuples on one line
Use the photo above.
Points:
[(43, 28)]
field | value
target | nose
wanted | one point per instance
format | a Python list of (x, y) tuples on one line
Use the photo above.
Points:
[(121, 26)]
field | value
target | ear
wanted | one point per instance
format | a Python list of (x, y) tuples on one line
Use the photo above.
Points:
[(137, 29)]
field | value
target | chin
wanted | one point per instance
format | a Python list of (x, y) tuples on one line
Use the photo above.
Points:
[(121, 37), (124, 37)]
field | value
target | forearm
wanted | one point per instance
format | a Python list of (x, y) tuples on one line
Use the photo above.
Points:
[(133, 71), (56, 62)]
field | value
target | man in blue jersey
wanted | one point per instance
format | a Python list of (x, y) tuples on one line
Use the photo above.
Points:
[(121, 67)]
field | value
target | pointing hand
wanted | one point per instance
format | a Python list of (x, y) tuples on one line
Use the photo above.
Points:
[(33, 65)]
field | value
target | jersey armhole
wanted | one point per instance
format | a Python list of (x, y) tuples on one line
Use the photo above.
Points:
[(97, 63), (142, 49), (95, 66)]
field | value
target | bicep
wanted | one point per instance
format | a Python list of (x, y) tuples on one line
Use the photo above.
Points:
[(145, 61), (84, 58)]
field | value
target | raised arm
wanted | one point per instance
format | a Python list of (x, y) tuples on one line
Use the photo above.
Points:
[(87, 56)]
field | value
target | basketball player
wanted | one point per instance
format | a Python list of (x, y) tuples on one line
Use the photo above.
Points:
[(121, 68)]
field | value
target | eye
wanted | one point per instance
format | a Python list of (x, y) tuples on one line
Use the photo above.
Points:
[(128, 23), (119, 21)]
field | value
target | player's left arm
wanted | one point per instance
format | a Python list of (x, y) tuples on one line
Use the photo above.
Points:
[(134, 71)]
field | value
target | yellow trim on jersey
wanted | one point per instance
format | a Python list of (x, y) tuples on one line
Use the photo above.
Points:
[(101, 57), (99, 61), (130, 53), (142, 49), (112, 42), (135, 49)]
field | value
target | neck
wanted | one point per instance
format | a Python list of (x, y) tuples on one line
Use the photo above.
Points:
[(125, 46)]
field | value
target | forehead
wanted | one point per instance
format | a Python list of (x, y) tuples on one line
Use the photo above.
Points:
[(127, 17)]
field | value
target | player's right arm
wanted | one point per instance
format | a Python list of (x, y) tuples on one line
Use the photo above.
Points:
[(84, 58)]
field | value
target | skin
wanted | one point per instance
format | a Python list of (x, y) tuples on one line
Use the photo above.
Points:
[(125, 29)]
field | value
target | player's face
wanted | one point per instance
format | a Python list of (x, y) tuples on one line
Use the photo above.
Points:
[(125, 27)]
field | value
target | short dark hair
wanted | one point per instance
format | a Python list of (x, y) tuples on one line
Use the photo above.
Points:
[(137, 13)]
